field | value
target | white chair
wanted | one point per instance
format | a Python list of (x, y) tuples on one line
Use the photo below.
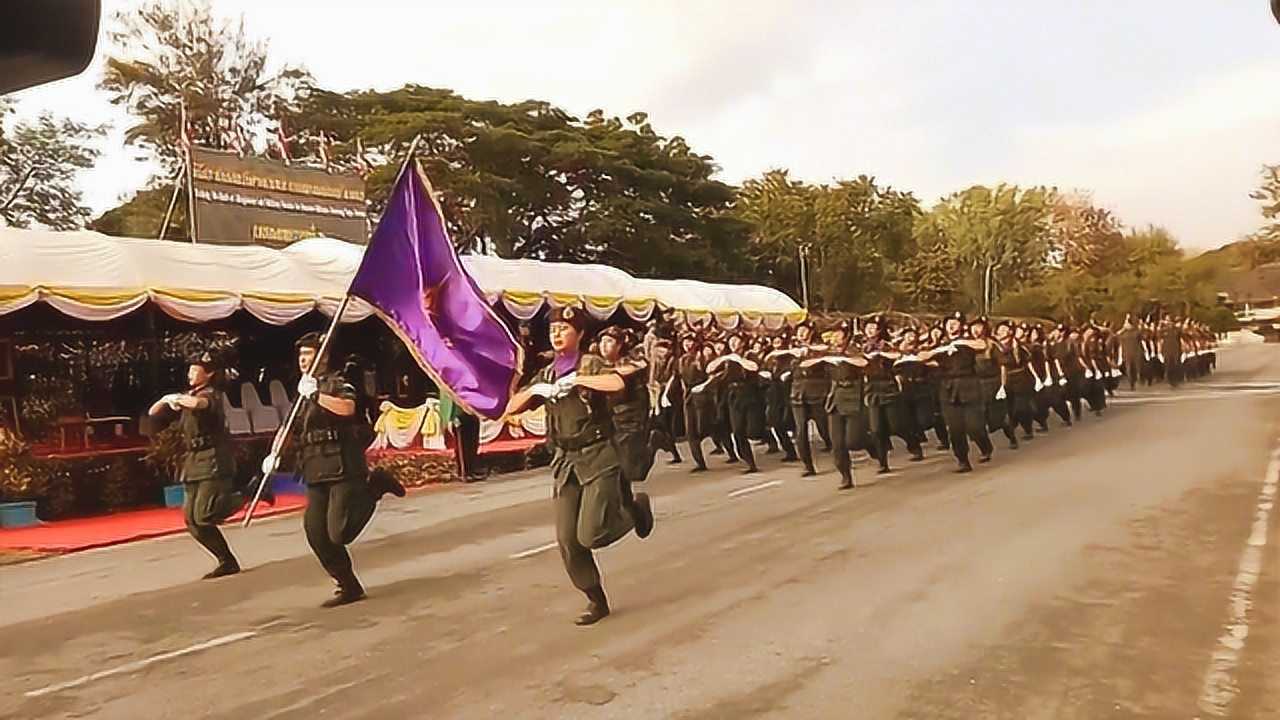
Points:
[(263, 418), (280, 399), (237, 419)]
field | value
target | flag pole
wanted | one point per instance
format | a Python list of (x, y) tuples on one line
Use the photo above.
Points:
[(282, 434)]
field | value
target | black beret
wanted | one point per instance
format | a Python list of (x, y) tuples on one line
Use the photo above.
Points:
[(574, 316), (310, 340)]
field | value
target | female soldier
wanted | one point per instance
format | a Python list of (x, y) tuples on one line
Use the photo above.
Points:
[(1095, 371), (920, 397), (629, 409), (699, 405), (961, 393), (778, 366), (933, 376), (1019, 382), (990, 369), (844, 406), (886, 406), (593, 509), (208, 471), (810, 387)]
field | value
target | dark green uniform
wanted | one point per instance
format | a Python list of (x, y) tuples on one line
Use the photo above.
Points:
[(630, 416), (332, 463), (1131, 354), (809, 389), (1171, 348), (777, 400), (591, 508), (987, 366), (1068, 355), (1021, 387), (846, 416), (887, 409), (745, 403), (963, 409), (699, 408), (208, 474), (921, 401)]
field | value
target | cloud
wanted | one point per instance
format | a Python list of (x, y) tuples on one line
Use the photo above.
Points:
[(1165, 116), (1188, 163)]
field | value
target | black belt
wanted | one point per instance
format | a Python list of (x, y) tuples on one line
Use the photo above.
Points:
[(582, 443), (318, 437)]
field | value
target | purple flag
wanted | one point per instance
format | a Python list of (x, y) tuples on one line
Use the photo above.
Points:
[(412, 277)]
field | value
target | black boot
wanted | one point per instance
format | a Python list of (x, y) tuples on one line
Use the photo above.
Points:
[(268, 495), (965, 467), (225, 568), (597, 608), (642, 513), (349, 591), (382, 482)]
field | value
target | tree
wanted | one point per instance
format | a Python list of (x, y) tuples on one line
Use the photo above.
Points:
[(530, 180), (854, 233), (39, 161), (998, 237), (167, 55), (930, 278), (143, 214), (1083, 237), (1263, 246)]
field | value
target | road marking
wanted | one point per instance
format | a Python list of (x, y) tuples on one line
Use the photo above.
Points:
[(533, 551), (140, 664), (755, 488), (1219, 684)]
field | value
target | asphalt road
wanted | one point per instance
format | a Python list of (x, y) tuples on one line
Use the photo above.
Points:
[(1123, 568)]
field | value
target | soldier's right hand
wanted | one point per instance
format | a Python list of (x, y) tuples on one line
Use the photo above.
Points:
[(269, 464)]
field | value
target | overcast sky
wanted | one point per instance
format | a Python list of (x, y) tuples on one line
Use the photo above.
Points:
[(1164, 109)]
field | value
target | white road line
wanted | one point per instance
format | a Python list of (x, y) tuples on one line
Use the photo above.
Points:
[(140, 664), (533, 551), (1219, 684), (755, 488)]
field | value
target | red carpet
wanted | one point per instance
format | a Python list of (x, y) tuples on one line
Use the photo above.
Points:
[(86, 533)]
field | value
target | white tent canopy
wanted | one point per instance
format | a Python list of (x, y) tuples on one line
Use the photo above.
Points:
[(91, 276)]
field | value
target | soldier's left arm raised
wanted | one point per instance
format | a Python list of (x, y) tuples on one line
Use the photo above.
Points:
[(338, 398), (593, 375)]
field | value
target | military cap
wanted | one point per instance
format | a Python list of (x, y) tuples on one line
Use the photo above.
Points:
[(574, 316), (204, 359), (310, 340)]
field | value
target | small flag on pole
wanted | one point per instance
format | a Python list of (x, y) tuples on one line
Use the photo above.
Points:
[(414, 280)]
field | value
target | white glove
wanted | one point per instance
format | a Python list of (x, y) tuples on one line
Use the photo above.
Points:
[(543, 390), (1000, 394), (952, 349), (666, 401), (1062, 382), (308, 386), (1088, 374), (1039, 386), (172, 401), (1115, 372), (565, 385), (269, 464), (785, 376)]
